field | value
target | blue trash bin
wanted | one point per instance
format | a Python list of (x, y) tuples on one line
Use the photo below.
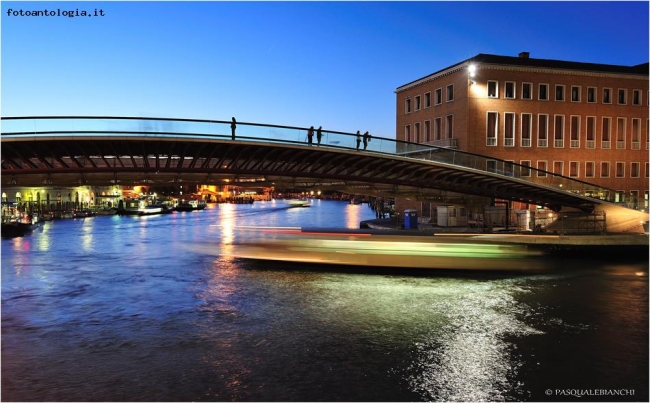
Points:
[(410, 219)]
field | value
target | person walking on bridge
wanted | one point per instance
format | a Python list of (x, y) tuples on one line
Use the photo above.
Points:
[(358, 139), (319, 134), (233, 126), (366, 139)]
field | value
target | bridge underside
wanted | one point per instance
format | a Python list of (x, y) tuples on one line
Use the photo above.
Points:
[(103, 161)]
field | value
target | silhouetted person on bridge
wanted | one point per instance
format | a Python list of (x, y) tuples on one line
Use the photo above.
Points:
[(310, 135), (366, 139), (233, 126), (319, 134), (358, 139)]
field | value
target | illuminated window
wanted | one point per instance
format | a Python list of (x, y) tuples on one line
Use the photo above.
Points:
[(575, 132), (509, 129), (636, 134), (591, 132), (620, 133), (605, 141), (559, 131), (493, 89), (542, 130), (526, 129), (492, 122)]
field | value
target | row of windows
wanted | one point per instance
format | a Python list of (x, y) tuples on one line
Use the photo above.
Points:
[(575, 93), (589, 167), (428, 132), (612, 132), (578, 133), (418, 102), (543, 94)]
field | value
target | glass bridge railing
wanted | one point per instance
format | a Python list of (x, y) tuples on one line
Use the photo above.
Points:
[(256, 132)]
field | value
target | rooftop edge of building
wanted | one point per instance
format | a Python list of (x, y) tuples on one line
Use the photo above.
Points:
[(524, 60)]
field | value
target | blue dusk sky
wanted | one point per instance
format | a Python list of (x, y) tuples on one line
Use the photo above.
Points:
[(335, 64)]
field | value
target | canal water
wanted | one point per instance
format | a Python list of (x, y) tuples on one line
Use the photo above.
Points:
[(117, 308)]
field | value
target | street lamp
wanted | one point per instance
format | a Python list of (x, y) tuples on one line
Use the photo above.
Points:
[(471, 71)]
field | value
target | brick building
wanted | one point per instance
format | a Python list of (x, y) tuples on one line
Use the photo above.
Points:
[(582, 120)]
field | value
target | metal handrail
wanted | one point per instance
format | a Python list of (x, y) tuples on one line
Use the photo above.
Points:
[(249, 131)]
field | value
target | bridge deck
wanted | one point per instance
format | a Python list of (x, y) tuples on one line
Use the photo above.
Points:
[(130, 151)]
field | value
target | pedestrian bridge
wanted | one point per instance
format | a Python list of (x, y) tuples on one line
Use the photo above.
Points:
[(100, 151)]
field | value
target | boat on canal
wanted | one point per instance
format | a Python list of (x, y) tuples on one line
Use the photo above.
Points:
[(20, 227), (299, 203), (191, 205), (389, 249), (142, 207)]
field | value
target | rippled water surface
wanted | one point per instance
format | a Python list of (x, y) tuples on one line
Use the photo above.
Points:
[(118, 309)]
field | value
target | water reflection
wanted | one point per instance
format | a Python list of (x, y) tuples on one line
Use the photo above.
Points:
[(352, 217), (470, 358), (137, 317), (87, 235)]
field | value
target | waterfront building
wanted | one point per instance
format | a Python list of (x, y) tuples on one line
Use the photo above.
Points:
[(586, 121)]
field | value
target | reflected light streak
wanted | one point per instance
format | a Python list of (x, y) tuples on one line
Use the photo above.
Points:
[(227, 224), (352, 217), (44, 241), (87, 237)]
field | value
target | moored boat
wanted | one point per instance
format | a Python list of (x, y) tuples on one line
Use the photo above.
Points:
[(82, 213), (21, 227), (191, 205)]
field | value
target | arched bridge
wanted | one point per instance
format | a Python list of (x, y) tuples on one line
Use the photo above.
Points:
[(65, 151)]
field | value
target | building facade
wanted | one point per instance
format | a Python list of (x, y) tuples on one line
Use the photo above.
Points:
[(581, 120)]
